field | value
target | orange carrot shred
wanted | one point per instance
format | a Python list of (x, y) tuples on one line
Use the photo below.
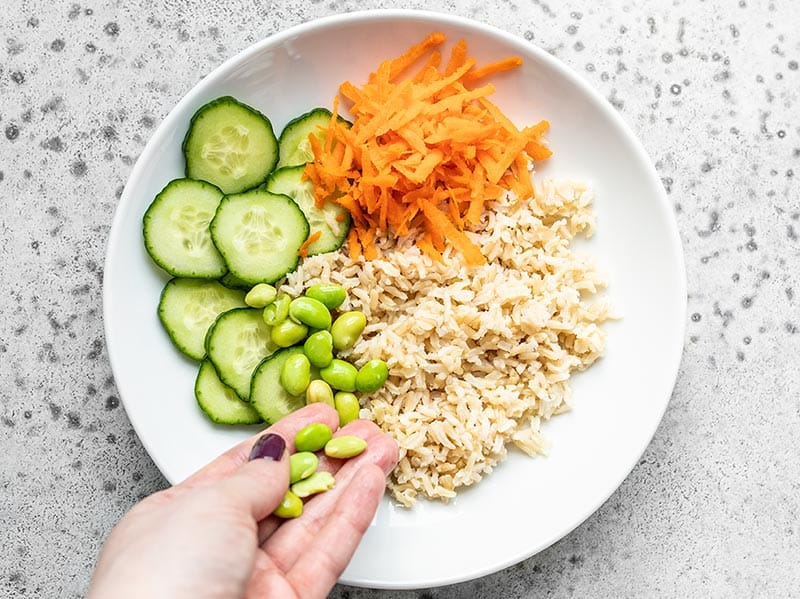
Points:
[(441, 224), (507, 64), (457, 57), (427, 248), (303, 251), (410, 56), (352, 245), (433, 61), (426, 152)]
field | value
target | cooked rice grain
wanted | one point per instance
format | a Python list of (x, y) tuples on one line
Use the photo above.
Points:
[(478, 357)]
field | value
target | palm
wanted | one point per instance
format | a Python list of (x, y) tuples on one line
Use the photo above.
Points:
[(303, 558), (200, 528)]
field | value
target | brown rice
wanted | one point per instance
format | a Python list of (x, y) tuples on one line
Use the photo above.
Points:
[(479, 357)]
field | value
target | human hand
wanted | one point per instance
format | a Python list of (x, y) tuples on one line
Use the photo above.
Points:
[(213, 535)]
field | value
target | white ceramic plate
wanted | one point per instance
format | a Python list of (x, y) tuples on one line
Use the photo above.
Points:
[(526, 504)]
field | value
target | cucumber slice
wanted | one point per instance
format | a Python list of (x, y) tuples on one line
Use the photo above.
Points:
[(219, 401), (230, 145), (267, 395), (293, 144), (332, 220), (188, 307), (233, 282), (259, 234), (176, 231), (237, 342)]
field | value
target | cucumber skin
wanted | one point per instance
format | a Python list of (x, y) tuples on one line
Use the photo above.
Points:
[(229, 100), (169, 328), (210, 358), (297, 121), (247, 416), (157, 260), (231, 282)]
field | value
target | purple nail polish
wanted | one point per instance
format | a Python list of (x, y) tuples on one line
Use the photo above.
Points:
[(270, 447)]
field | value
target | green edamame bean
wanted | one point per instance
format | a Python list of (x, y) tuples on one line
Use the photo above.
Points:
[(296, 374), (302, 465), (278, 310), (347, 328), (291, 506), (347, 407), (310, 312), (331, 295), (316, 483), (346, 446), (340, 375), (372, 376), (312, 437), (260, 296), (319, 348), (287, 332), (319, 392)]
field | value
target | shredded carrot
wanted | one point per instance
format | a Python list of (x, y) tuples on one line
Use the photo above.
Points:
[(426, 152), (457, 57), (507, 64), (352, 244), (400, 64), (303, 251)]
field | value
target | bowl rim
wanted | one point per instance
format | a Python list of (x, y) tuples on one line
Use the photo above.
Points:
[(673, 356)]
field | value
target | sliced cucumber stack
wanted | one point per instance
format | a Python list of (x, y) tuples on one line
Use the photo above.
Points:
[(232, 223), (259, 234), (219, 401), (176, 231), (267, 395), (332, 220), (237, 342), (230, 145), (188, 307), (294, 145)]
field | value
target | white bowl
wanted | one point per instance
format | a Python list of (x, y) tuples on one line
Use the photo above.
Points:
[(526, 504)]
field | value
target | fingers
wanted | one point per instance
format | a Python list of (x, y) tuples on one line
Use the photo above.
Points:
[(293, 537), (259, 486), (360, 428), (230, 461), (375, 439), (323, 561)]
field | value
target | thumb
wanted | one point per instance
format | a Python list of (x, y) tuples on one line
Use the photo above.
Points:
[(260, 484)]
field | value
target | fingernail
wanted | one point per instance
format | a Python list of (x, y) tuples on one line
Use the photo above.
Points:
[(270, 447)]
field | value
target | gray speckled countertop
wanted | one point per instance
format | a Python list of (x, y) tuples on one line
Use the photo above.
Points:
[(711, 87)]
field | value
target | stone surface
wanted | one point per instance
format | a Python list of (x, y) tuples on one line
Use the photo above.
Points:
[(711, 88)]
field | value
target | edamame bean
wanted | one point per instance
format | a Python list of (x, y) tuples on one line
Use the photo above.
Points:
[(291, 506), (287, 332), (310, 312), (331, 295), (302, 465), (319, 392), (261, 295), (319, 348), (278, 310), (372, 376), (296, 374), (347, 328), (346, 446), (316, 483), (312, 437), (340, 375), (347, 407)]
